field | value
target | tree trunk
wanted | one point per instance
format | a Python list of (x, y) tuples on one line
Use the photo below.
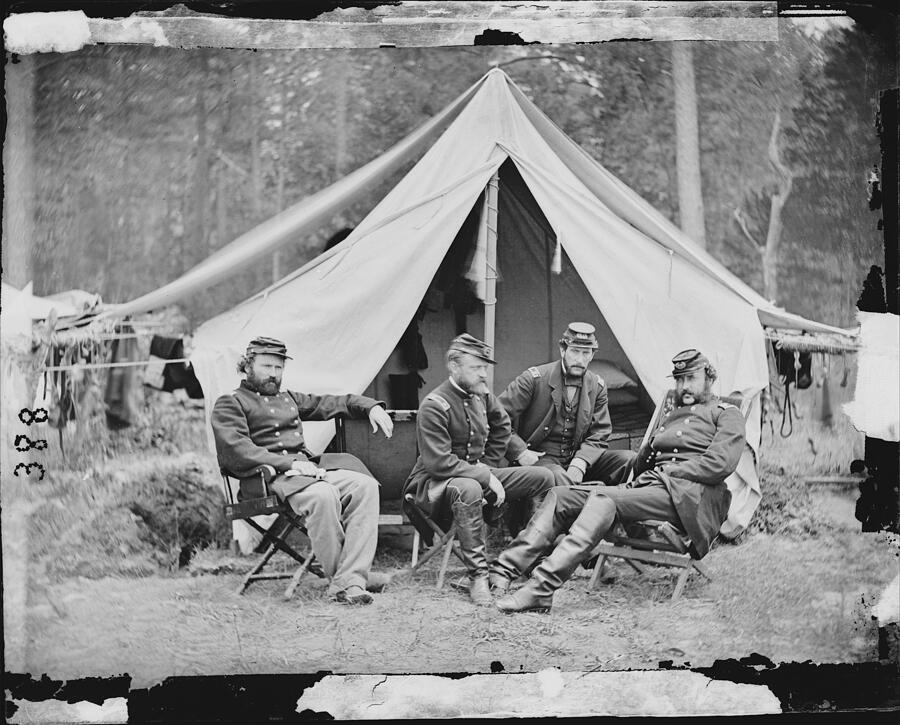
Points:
[(18, 176), (201, 168), (773, 236), (690, 191), (342, 58), (256, 182)]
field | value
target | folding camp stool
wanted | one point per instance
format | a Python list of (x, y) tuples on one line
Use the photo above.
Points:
[(656, 542), (275, 537), (445, 540)]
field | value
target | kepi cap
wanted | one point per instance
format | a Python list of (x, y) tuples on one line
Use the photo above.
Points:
[(580, 334), (688, 361), (473, 346), (268, 346)]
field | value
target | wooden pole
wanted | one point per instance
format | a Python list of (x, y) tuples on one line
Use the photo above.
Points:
[(490, 270)]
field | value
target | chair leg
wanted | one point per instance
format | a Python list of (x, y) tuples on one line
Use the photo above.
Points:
[(597, 573), (295, 580), (415, 547), (256, 568), (634, 565), (445, 562), (701, 567), (679, 585)]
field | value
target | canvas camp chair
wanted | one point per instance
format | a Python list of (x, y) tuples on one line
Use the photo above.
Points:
[(655, 542), (424, 530), (275, 538)]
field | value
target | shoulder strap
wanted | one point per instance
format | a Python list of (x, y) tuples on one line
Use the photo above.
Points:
[(535, 373), (439, 399)]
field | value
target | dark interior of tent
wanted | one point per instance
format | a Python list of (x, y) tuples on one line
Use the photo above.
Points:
[(534, 306)]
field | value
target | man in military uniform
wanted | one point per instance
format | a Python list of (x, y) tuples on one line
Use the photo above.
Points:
[(258, 427), (560, 416), (680, 473), (462, 432)]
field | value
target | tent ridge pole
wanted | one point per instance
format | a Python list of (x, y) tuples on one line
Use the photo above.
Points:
[(490, 271)]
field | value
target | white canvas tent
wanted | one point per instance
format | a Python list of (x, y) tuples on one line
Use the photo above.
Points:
[(648, 288)]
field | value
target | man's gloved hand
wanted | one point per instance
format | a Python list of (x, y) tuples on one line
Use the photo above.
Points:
[(575, 474), (497, 487), (529, 458), (576, 470), (305, 468), (379, 418)]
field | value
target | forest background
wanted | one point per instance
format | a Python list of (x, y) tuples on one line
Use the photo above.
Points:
[(147, 160)]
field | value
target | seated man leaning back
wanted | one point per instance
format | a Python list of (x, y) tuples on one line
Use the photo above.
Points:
[(680, 478), (560, 416), (259, 427), (462, 432)]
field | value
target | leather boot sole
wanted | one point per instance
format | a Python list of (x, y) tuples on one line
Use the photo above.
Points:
[(521, 601)]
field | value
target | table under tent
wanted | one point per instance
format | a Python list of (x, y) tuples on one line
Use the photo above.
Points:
[(507, 229)]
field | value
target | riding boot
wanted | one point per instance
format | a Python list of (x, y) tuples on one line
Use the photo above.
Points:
[(548, 576), (576, 546), (469, 531), (532, 542)]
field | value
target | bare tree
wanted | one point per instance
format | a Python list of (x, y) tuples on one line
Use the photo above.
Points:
[(768, 251)]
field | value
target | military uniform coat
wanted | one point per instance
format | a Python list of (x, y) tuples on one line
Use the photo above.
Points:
[(253, 430), (455, 432), (534, 400), (692, 450)]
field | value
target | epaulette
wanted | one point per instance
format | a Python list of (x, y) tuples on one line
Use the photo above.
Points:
[(439, 400), (535, 373), (725, 406)]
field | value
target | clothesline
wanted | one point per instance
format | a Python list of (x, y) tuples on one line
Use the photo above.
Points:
[(89, 366)]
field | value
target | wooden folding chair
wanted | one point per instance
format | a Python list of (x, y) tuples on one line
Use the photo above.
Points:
[(441, 539), (275, 537), (656, 542)]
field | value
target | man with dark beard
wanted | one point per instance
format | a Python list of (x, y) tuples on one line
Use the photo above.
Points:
[(259, 427), (560, 416), (680, 478), (462, 432)]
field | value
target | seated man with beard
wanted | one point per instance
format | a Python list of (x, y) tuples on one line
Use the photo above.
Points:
[(259, 426), (560, 416), (680, 478), (462, 432)]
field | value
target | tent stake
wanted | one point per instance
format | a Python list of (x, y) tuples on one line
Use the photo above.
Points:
[(490, 270)]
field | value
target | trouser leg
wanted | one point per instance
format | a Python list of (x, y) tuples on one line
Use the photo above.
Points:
[(560, 477), (612, 467), (560, 508), (464, 497), (358, 495), (320, 507), (585, 533)]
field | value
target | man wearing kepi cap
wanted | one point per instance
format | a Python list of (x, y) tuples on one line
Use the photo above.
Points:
[(680, 478), (259, 427), (560, 415), (462, 432)]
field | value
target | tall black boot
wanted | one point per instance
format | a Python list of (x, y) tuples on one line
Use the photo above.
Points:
[(528, 546), (548, 576), (470, 532)]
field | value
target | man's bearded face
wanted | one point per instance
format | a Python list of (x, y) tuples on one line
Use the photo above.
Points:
[(692, 388), (471, 374), (265, 374), (576, 359)]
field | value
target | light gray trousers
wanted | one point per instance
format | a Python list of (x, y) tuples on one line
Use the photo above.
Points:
[(341, 516)]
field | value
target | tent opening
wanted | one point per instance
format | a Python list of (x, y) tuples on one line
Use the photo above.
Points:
[(534, 305)]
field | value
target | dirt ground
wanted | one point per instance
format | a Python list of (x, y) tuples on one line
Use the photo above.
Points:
[(789, 599)]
